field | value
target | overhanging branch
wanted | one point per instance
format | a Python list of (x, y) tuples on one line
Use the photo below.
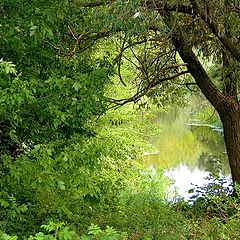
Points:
[(193, 9), (146, 89)]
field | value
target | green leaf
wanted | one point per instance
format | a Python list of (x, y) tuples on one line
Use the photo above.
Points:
[(4, 203), (94, 230), (61, 185), (77, 86), (33, 30)]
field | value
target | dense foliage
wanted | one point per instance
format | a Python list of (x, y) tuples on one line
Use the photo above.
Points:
[(67, 165)]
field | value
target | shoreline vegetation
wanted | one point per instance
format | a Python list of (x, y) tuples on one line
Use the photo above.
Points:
[(87, 88), (135, 209)]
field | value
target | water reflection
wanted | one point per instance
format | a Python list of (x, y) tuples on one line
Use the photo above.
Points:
[(188, 152)]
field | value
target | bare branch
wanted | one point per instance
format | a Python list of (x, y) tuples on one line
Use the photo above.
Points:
[(170, 78), (190, 84), (119, 59), (145, 90), (96, 3)]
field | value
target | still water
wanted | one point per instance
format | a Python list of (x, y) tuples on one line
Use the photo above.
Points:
[(188, 151)]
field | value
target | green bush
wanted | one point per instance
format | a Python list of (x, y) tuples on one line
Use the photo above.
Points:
[(143, 210), (213, 211), (58, 231)]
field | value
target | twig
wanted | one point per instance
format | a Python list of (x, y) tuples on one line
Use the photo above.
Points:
[(145, 90)]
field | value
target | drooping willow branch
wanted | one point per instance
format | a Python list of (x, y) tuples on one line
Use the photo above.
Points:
[(129, 46), (156, 81), (192, 9)]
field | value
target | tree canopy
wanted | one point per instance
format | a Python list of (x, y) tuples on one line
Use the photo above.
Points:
[(191, 31)]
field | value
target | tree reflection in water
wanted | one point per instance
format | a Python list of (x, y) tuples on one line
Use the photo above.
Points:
[(188, 152)]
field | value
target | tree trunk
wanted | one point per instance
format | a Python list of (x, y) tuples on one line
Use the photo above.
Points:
[(225, 103), (230, 117)]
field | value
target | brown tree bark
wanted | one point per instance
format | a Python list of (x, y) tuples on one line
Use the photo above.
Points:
[(230, 117), (226, 105)]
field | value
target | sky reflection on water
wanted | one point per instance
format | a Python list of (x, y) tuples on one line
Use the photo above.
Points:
[(188, 153)]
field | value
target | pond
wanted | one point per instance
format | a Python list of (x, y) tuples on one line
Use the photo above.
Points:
[(188, 151)]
